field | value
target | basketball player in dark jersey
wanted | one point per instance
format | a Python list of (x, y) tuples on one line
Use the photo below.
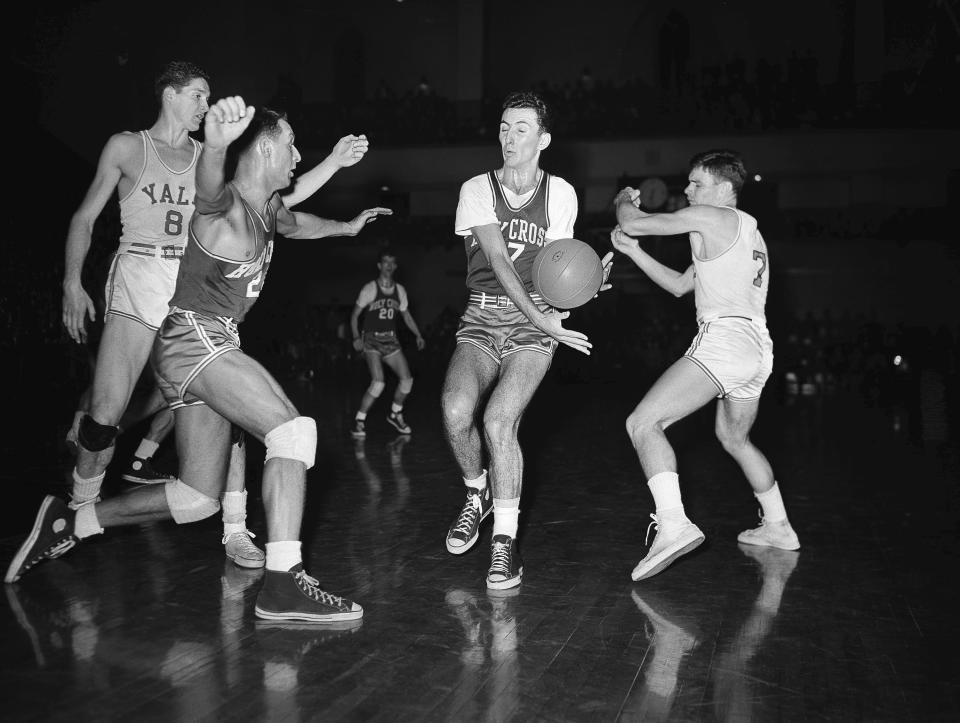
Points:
[(199, 363), (381, 301), (153, 173), (507, 335)]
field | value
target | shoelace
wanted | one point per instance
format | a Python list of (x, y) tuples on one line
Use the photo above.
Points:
[(500, 562), (468, 515), (311, 586), (243, 542), (656, 522)]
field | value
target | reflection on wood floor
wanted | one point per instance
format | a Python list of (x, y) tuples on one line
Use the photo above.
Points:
[(152, 623)]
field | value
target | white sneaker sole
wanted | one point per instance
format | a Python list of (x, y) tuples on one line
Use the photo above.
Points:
[(472, 541), (650, 566), (28, 544), (747, 538), (246, 562), (505, 584), (308, 617)]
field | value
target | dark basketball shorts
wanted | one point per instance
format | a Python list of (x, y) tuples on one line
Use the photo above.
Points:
[(499, 331), (383, 343), (736, 353), (185, 345)]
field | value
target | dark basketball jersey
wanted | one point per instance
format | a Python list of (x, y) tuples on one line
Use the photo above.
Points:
[(382, 311), (524, 230), (217, 286)]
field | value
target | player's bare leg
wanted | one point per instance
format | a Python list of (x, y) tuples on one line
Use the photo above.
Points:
[(469, 378), (140, 469), (520, 376), (681, 390), (734, 421), (203, 438), (370, 394), (240, 388), (398, 364), (123, 352)]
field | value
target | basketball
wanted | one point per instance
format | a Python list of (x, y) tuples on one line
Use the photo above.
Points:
[(567, 273)]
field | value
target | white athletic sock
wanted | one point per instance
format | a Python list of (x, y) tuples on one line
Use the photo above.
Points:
[(480, 483), (361, 416), (84, 489), (86, 524), (234, 508), (506, 517), (396, 408), (772, 504), (146, 449), (283, 555), (665, 488)]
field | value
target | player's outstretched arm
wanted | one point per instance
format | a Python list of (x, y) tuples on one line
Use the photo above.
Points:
[(666, 278), (348, 151), (294, 224), (226, 121), (636, 222), (492, 245), (77, 305)]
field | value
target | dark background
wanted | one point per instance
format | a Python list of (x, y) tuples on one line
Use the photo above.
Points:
[(839, 107)]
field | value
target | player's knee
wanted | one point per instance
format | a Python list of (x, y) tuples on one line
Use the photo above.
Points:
[(188, 504), (376, 388), (296, 439), (94, 436), (499, 429), (640, 425), (730, 439), (405, 385)]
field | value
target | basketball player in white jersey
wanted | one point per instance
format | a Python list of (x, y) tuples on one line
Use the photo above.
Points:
[(508, 334), (210, 383), (381, 301), (730, 357)]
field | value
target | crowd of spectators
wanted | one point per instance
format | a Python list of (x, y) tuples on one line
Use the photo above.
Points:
[(723, 98)]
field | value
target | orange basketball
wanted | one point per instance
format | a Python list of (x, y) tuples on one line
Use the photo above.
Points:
[(567, 273)]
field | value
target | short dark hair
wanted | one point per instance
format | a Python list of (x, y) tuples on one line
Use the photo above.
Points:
[(722, 163), (265, 123), (385, 251), (177, 74), (529, 99)]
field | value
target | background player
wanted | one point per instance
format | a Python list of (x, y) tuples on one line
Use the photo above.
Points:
[(730, 358), (380, 301), (198, 361), (507, 335)]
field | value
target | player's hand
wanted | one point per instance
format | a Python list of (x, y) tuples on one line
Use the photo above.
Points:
[(627, 194), (365, 217), (226, 121), (358, 344), (607, 263), (622, 242), (574, 339), (77, 307), (420, 343), (350, 150)]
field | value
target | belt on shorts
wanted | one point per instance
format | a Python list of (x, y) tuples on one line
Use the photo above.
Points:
[(499, 301), (160, 252), (381, 334), (728, 316)]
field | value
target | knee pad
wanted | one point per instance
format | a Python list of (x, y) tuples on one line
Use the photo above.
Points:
[(236, 435), (375, 389), (94, 436), (296, 439), (187, 504), (405, 385)]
